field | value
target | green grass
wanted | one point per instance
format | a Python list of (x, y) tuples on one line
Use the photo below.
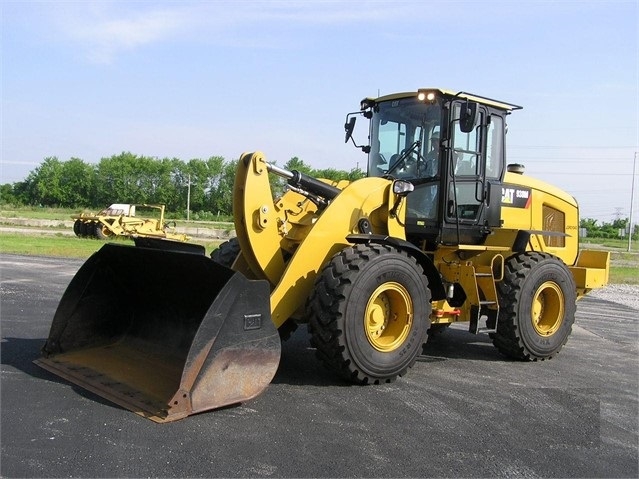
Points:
[(34, 212), (624, 267), (49, 245), (624, 275), (64, 214), (610, 243), (65, 246)]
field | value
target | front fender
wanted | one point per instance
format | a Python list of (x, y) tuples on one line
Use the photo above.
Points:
[(363, 198), (430, 270)]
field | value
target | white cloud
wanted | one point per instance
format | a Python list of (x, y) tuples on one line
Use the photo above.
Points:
[(103, 35), (105, 29)]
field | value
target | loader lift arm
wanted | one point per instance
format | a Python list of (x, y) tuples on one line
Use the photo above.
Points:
[(267, 230)]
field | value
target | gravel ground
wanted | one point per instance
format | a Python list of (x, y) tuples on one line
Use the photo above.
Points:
[(627, 294)]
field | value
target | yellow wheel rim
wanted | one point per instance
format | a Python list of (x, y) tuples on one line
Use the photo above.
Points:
[(389, 316), (548, 309)]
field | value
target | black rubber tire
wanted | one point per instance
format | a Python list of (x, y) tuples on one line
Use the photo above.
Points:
[(99, 231), (77, 228), (345, 306), (537, 300), (86, 230), (227, 252)]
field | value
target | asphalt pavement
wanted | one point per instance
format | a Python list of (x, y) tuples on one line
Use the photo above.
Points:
[(462, 411)]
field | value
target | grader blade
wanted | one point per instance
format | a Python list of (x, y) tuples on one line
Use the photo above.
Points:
[(164, 333)]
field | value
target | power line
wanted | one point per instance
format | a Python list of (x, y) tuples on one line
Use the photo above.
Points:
[(576, 173), (571, 159), (577, 147), (596, 191)]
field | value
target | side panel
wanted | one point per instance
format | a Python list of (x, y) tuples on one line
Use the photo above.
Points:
[(549, 213)]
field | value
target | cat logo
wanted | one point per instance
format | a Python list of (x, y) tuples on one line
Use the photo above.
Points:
[(507, 195), (516, 197)]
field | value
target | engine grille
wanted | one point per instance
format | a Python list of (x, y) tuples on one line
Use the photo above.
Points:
[(554, 220)]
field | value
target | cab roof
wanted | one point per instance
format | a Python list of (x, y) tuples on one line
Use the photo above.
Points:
[(450, 94)]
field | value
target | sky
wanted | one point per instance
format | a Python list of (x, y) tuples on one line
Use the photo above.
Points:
[(195, 79)]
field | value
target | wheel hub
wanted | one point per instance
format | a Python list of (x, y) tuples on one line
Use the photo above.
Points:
[(389, 316), (548, 309)]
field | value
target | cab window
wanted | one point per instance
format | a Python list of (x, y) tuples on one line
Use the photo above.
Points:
[(463, 196), (494, 147)]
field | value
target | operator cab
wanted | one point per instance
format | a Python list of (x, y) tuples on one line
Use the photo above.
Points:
[(450, 146)]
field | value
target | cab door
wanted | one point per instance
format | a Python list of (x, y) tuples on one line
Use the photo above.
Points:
[(473, 178)]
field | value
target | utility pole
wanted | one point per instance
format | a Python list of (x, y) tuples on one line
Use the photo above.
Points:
[(632, 199), (188, 199)]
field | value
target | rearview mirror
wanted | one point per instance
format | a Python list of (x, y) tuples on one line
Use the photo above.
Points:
[(468, 116), (349, 127)]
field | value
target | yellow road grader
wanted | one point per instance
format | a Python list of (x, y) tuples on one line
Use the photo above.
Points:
[(442, 230)]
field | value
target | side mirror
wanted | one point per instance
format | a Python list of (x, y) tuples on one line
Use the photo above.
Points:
[(468, 116), (402, 188), (349, 127)]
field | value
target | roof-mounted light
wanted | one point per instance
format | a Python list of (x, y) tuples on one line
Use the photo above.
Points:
[(426, 96)]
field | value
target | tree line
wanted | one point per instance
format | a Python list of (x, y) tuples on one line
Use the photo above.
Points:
[(619, 228), (207, 185)]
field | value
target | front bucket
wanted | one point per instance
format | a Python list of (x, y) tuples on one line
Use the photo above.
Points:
[(163, 333)]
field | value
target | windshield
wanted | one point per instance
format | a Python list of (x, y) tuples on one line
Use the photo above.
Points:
[(405, 139)]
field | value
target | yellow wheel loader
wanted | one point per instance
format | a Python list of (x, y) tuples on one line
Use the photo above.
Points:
[(441, 230)]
